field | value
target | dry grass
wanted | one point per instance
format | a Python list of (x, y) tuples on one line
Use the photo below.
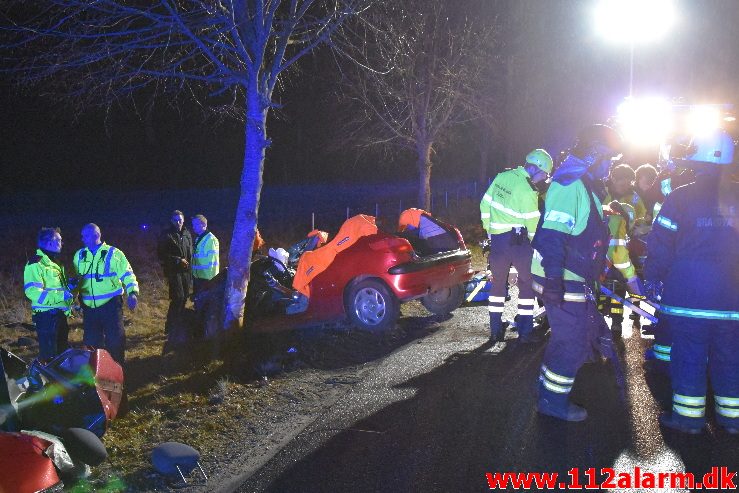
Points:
[(198, 397)]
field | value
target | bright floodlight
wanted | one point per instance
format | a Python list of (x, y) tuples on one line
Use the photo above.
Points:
[(634, 21), (645, 122), (703, 119)]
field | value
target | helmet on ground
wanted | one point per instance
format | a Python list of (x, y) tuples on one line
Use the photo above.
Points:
[(541, 159), (600, 139), (716, 148)]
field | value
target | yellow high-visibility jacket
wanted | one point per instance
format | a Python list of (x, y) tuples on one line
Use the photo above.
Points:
[(510, 202), (103, 275), (45, 284)]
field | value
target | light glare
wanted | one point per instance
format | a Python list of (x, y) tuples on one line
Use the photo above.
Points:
[(634, 21), (645, 122)]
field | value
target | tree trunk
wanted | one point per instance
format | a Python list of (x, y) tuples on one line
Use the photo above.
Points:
[(423, 156), (245, 224)]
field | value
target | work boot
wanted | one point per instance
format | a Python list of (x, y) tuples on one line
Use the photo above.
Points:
[(497, 332), (568, 412), (668, 421)]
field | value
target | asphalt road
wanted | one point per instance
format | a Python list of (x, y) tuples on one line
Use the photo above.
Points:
[(440, 413)]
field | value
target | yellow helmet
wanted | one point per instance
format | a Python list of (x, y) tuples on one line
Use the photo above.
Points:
[(541, 159)]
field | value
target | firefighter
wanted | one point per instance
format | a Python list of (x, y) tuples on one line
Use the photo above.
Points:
[(510, 211), (206, 251), (693, 255), (569, 256), (104, 275), (620, 186), (47, 286)]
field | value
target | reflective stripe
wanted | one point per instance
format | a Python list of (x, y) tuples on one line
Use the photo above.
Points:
[(696, 313), (505, 225), (128, 273), (569, 296), (661, 352), (665, 186), (729, 412), (667, 223), (560, 217), (496, 299), (487, 198), (495, 309), (33, 285), (526, 312), (623, 265), (117, 292), (49, 307), (484, 215), (690, 412), (94, 276), (526, 301), (108, 259), (131, 285), (205, 266), (555, 377), (661, 356), (43, 296), (537, 255), (727, 401), (617, 243), (689, 400), (511, 212), (554, 387)]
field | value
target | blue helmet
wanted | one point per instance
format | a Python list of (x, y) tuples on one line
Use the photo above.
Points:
[(716, 148)]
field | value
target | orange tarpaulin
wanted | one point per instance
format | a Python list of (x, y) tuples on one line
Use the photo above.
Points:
[(321, 235), (314, 262), (410, 217)]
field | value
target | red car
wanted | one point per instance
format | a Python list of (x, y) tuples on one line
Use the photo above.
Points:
[(364, 282)]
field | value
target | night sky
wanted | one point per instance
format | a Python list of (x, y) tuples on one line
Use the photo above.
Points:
[(563, 76)]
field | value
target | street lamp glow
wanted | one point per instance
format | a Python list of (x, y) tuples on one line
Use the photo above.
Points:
[(634, 21), (703, 119)]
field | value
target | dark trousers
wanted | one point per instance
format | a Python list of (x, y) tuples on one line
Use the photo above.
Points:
[(506, 250), (176, 324), (703, 348), (52, 332), (103, 328)]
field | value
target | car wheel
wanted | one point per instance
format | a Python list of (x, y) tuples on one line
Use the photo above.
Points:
[(444, 300), (372, 306)]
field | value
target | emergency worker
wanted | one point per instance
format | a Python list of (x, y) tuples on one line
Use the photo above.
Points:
[(569, 256), (693, 254), (104, 275), (47, 286), (175, 255), (206, 251), (646, 175), (620, 187), (510, 211)]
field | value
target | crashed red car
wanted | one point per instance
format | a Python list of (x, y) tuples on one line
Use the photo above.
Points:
[(364, 282)]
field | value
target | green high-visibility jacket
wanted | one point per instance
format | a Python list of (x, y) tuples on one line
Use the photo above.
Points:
[(45, 284), (510, 202), (205, 256), (633, 199), (103, 275), (618, 254)]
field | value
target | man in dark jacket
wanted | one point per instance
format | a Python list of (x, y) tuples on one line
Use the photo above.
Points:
[(175, 254)]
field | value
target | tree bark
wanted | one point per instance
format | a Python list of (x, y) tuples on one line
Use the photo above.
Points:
[(247, 210), (423, 150)]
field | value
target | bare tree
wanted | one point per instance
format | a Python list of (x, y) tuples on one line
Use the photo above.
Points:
[(233, 52), (420, 62)]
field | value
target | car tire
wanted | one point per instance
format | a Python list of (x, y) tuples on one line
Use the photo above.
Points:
[(371, 306), (445, 300)]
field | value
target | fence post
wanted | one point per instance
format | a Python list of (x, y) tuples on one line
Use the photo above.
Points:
[(400, 206), (312, 221), (446, 199), (377, 209), (347, 212), (474, 189)]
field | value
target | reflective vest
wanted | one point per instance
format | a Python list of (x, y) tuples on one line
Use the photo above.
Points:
[(618, 253), (45, 284), (103, 275), (510, 202), (633, 199), (569, 210), (205, 257)]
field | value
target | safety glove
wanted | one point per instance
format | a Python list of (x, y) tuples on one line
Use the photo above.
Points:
[(554, 291)]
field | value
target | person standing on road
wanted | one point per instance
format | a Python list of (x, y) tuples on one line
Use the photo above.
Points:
[(569, 256), (46, 285), (510, 211), (205, 265), (104, 275), (175, 255), (693, 254)]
